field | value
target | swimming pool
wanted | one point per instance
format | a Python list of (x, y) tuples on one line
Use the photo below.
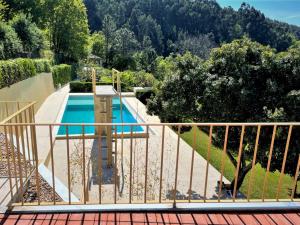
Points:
[(80, 109)]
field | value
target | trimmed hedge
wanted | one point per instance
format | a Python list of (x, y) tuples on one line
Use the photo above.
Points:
[(84, 87), (42, 65), (62, 74), (15, 70)]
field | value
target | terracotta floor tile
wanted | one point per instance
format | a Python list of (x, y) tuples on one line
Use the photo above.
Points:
[(280, 219), (76, 216), (107, 217), (139, 217), (217, 219), (123, 217), (248, 219), (10, 221), (154, 218), (264, 219), (293, 217), (170, 218), (201, 219), (90, 216), (186, 218)]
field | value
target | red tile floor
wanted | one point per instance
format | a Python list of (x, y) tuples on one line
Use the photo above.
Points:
[(150, 218)]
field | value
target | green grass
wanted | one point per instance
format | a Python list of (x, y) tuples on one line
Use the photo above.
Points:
[(229, 171)]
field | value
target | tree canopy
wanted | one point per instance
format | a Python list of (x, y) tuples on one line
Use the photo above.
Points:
[(165, 20), (69, 31), (242, 81)]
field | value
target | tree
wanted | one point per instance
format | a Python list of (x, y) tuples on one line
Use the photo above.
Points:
[(178, 98), (69, 31), (30, 35), (98, 44), (199, 45), (163, 20), (124, 46), (248, 82), (125, 42), (10, 44), (145, 59), (3, 10), (108, 29)]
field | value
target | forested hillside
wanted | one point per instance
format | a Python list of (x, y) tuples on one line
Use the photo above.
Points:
[(176, 26)]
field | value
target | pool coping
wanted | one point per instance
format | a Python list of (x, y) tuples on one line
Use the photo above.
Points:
[(59, 117)]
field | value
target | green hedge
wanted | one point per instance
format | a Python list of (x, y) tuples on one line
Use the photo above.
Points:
[(84, 87), (62, 74), (42, 65), (15, 70)]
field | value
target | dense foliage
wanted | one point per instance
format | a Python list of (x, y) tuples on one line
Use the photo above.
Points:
[(243, 81), (64, 23), (69, 31), (42, 65), (174, 101), (62, 74), (30, 35), (12, 71), (164, 22)]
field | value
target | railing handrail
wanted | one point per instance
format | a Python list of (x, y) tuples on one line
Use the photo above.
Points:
[(159, 124), (139, 163), (17, 113)]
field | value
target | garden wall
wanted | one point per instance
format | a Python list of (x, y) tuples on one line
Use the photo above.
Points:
[(36, 88)]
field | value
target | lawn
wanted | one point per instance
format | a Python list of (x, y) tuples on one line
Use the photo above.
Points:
[(259, 172)]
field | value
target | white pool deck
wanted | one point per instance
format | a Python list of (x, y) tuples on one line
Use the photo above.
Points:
[(50, 111)]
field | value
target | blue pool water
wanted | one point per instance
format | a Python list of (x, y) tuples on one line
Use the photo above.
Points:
[(80, 109)]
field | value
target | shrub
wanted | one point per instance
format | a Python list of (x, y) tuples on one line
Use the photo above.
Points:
[(28, 68), (131, 79), (61, 74), (84, 87), (13, 71), (42, 65)]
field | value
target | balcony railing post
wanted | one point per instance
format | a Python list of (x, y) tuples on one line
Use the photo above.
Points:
[(52, 165), (36, 161), (253, 162), (27, 141), (19, 163), (115, 166), (207, 161), (161, 161), (177, 165), (12, 149), (284, 161), (8, 162), (269, 162), (192, 162), (295, 179), (68, 164), (238, 163), (100, 163), (23, 143), (223, 162), (130, 168), (83, 165), (146, 166)]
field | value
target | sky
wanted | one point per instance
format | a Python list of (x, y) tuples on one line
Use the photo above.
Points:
[(282, 10)]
